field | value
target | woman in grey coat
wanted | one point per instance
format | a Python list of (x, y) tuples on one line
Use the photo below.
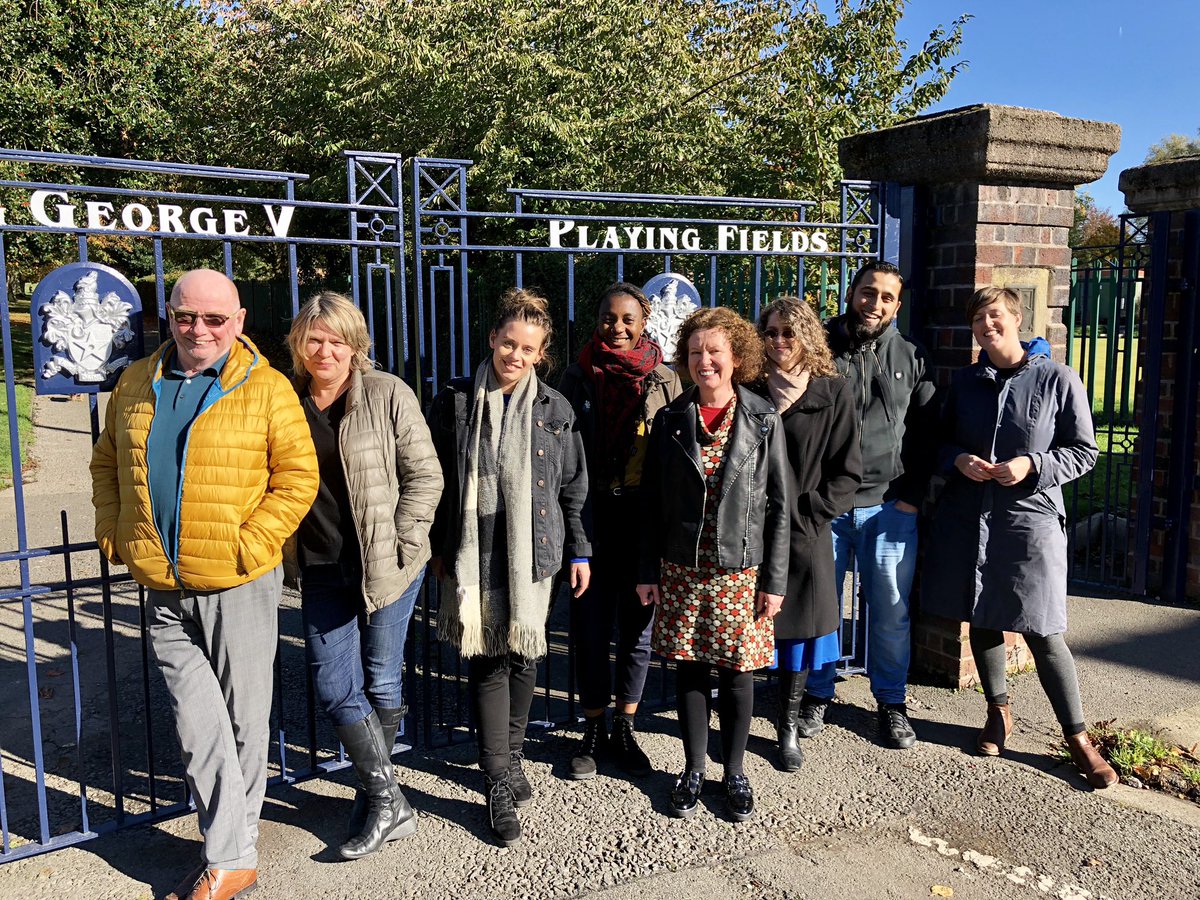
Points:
[(361, 549), (1016, 427)]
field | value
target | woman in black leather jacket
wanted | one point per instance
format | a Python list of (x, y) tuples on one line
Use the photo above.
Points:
[(715, 542)]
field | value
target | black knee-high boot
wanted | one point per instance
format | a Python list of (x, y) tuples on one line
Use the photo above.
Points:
[(389, 816), (791, 691)]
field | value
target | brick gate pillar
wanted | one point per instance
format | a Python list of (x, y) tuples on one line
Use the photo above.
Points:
[(991, 190), (1168, 192)]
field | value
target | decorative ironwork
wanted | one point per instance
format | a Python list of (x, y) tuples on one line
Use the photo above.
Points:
[(83, 328), (672, 299)]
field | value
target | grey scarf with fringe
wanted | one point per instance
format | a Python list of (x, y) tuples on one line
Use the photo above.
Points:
[(492, 605)]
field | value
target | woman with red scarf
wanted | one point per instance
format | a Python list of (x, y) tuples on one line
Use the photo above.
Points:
[(617, 386)]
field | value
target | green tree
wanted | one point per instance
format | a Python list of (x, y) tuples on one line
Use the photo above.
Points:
[(120, 78), (665, 96), (1174, 146)]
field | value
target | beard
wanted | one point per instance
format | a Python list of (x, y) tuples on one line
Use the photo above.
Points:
[(861, 333)]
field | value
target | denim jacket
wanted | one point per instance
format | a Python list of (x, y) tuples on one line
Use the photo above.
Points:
[(559, 476)]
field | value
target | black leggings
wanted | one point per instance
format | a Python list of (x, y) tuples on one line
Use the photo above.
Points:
[(1055, 669), (735, 708), (501, 689)]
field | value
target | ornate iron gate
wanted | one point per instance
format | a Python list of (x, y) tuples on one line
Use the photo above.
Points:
[(1107, 318), (92, 749)]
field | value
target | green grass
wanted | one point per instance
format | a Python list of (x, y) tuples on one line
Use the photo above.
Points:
[(1095, 379), (24, 429), (1109, 486), (22, 341)]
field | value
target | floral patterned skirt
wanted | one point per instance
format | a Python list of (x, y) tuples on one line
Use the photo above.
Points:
[(706, 614)]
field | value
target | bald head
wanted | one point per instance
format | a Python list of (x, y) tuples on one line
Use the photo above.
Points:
[(205, 283), (208, 303)]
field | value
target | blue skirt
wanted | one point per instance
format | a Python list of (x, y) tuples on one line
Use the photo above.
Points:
[(807, 654)]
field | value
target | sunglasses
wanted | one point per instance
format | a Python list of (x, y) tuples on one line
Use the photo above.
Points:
[(187, 317), (772, 334)]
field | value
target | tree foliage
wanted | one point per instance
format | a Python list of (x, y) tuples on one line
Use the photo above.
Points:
[(127, 78), (1174, 146), (1093, 225), (690, 96)]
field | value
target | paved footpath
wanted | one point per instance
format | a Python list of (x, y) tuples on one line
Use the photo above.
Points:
[(859, 821)]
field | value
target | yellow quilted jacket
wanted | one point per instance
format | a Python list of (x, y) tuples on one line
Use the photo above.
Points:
[(249, 477)]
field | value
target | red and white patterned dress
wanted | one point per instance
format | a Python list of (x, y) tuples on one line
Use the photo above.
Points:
[(706, 613)]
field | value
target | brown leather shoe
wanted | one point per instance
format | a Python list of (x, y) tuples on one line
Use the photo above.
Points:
[(1099, 774), (995, 731), (183, 890), (224, 884)]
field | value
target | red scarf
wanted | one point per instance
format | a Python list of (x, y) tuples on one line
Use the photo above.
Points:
[(618, 382)]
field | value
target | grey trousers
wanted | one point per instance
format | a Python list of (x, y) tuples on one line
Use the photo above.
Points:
[(217, 655)]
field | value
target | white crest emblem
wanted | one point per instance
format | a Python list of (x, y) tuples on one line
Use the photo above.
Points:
[(85, 330), (672, 299)]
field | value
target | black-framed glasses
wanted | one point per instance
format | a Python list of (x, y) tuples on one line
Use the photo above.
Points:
[(188, 317), (774, 334)]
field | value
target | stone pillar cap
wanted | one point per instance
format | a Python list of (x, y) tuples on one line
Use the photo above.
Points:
[(986, 144), (1169, 184)]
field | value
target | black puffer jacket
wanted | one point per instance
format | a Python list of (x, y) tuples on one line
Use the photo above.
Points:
[(752, 521), (894, 405)]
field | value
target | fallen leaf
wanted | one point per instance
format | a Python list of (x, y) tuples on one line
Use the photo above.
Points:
[(941, 890), (55, 673), (46, 693)]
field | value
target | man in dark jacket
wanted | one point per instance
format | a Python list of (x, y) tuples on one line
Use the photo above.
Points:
[(893, 398)]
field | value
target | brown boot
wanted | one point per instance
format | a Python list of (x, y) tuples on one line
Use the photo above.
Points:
[(995, 731), (1088, 760)]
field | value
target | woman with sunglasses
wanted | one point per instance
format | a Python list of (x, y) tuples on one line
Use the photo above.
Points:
[(824, 470)]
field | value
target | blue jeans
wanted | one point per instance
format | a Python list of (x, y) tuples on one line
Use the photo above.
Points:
[(356, 660), (884, 541)]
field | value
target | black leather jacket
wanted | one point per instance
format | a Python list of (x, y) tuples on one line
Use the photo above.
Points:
[(752, 518), (559, 529)]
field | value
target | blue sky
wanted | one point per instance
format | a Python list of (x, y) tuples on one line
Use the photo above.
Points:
[(1133, 63)]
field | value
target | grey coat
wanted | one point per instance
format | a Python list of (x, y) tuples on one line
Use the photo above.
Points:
[(394, 482), (997, 556)]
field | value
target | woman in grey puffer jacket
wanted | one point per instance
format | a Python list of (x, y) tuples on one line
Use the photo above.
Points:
[(361, 549)]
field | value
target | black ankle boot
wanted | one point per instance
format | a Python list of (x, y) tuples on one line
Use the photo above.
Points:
[(522, 790), (389, 817), (389, 721), (624, 746), (791, 690), (591, 745), (502, 811)]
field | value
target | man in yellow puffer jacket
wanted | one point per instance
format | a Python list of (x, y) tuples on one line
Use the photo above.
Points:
[(204, 469)]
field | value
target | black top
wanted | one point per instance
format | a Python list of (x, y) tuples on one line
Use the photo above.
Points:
[(326, 536)]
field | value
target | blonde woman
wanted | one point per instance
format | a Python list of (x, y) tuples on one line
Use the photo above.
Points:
[(361, 549)]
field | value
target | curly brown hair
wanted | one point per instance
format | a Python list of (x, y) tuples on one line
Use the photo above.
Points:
[(743, 341), (798, 315)]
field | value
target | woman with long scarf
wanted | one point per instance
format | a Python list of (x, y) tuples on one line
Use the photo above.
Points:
[(615, 388), (824, 470), (511, 511)]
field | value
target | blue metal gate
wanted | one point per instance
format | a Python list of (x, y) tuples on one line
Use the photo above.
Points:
[(86, 745)]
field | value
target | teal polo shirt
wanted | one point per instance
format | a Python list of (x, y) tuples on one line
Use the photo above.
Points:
[(179, 400)]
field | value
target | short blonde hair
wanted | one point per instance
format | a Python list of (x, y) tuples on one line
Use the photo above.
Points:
[(802, 319), (743, 341), (988, 295), (337, 313)]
